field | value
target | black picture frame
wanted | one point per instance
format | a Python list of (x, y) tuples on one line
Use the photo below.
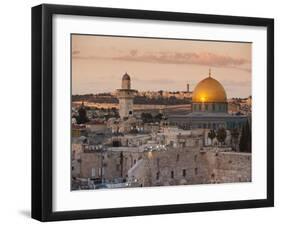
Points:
[(42, 107)]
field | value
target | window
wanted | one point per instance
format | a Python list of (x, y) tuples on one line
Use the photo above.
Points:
[(172, 174), (157, 175), (195, 158), (196, 171), (178, 157), (184, 172)]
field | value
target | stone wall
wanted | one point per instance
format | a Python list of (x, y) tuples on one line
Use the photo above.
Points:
[(115, 164), (170, 167), (232, 167), (193, 167)]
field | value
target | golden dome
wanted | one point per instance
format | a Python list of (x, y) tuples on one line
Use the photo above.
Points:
[(209, 90)]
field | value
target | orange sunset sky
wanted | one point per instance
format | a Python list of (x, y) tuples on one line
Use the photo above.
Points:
[(99, 62)]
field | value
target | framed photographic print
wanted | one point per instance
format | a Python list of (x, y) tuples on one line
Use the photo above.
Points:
[(145, 112)]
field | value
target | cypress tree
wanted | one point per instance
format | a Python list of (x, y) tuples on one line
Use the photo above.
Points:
[(212, 135), (243, 140), (245, 144), (221, 135)]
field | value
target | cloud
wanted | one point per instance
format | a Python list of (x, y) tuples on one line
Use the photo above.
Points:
[(154, 81), (231, 83), (169, 57), (133, 52), (203, 58)]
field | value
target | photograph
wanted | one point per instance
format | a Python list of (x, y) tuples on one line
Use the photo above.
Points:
[(148, 111)]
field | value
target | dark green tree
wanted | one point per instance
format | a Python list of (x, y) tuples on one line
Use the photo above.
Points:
[(245, 144), (234, 137), (249, 129), (82, 115), (158, 117), (212, 135), (146, 117), (221, 135)]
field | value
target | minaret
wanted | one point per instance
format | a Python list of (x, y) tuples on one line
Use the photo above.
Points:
[(125, 96)]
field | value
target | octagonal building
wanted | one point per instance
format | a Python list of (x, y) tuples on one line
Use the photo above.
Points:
[(209, 108)]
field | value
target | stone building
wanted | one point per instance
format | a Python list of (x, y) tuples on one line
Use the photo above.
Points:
[(125, 96), (126, 152), (187, 166), (165, 166), (209, 108), (178, 138), (109, 165)]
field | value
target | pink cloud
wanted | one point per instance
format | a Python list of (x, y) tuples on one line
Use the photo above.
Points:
[(168, 57), (203, 58)]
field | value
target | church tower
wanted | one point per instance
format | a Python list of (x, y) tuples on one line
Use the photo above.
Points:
[(125, 96)]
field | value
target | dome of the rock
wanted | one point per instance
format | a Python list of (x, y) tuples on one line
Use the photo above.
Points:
[(209, 96), (209, 90)]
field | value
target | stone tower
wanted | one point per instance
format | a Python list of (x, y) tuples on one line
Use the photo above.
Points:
[(125, 96)]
